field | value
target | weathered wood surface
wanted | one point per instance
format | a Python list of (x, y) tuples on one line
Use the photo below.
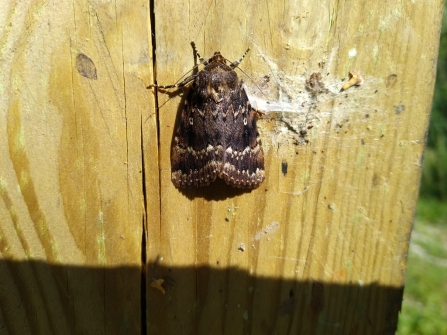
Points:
[(319, 248), (72, 207)]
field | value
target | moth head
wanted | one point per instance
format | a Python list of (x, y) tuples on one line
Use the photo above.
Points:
[(217, 57)]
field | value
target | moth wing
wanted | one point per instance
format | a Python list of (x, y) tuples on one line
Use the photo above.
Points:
[(243, 161), (197, 149)]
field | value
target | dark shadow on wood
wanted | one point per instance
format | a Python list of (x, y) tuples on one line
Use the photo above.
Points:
[(38, 298)]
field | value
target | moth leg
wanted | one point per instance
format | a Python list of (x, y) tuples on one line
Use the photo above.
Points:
[(187, 80), (184, 82), (236, 63)]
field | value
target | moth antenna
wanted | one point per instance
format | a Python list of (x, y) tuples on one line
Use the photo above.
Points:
[(236, 63), (202, 61)]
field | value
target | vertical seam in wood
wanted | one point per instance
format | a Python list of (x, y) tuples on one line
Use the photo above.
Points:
[(143, 282), (144, 277)]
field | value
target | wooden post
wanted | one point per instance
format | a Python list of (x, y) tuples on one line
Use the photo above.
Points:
[(321, 246), (94, 237), (73, 106)]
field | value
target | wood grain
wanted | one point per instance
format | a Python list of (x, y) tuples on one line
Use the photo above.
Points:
[(72, 209), (89, 218), (321, 248)]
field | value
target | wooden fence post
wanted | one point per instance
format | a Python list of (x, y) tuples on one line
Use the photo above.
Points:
[(95, 238), (320, 247)]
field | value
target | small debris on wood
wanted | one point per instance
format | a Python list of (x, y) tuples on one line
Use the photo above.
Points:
[(355, 79), (156, 283)]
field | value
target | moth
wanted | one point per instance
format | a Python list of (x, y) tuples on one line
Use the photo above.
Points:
[(216, 136)]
